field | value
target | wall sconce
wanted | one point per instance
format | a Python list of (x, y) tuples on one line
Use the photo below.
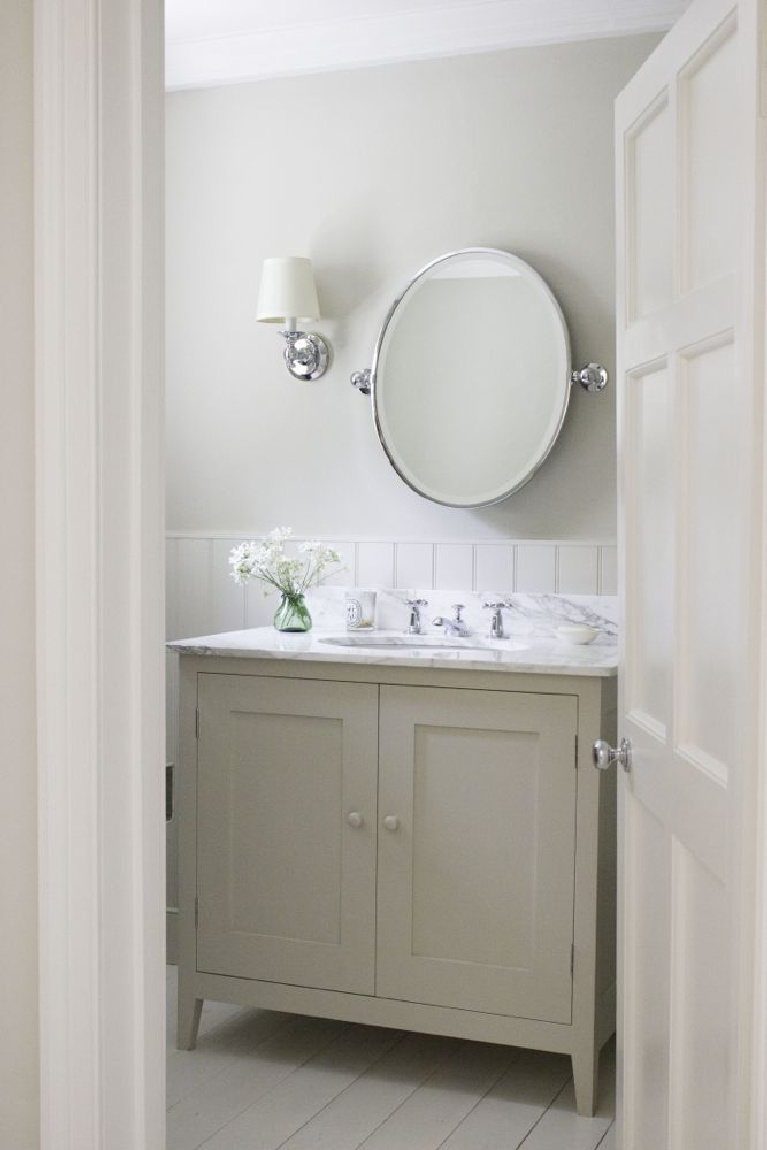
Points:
[(288, 295)]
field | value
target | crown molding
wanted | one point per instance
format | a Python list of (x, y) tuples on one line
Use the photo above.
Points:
[(231, 50)]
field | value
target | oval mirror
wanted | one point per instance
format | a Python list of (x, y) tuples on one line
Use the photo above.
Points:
[(471, 377)]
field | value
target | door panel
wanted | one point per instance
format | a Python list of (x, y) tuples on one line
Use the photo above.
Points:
[(647, 903), (286, 885), (714, 543), (699, 1055), (649, 611), (689, 403), (476, 880), (708, 130), (652, 270)]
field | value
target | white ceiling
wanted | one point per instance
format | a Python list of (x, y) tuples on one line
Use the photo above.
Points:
[(233, 41)]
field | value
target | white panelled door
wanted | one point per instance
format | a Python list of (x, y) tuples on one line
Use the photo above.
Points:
[(689, 414)]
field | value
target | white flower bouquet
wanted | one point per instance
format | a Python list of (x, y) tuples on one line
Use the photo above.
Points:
[(266, 560)]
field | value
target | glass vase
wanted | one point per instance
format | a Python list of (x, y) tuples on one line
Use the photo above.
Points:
[(292, 614)]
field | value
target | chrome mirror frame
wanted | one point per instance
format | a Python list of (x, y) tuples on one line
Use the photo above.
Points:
[(366, 381)]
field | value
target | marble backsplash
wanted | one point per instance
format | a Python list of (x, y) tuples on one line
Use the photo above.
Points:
[(528, 614)]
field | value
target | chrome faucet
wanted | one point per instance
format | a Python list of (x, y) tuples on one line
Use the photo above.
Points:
[(415, 605), (496, 623), (455, 626)]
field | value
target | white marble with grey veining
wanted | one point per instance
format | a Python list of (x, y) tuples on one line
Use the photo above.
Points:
[(531, 646), (536, 614)]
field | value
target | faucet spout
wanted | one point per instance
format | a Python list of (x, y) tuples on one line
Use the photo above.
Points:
[(456, 626)]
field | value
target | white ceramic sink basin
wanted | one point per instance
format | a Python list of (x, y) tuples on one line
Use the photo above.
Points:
[(421, 643)]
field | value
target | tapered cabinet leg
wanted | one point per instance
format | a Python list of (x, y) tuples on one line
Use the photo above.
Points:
[(585, 1067), (189, 1011)]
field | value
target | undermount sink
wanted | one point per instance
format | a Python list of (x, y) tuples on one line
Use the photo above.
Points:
[(420, 643)]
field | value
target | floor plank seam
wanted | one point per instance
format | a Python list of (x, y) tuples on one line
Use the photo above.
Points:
[(544, 1112), (277, 1085), (348, 1086), (607, 1131), (484, 1095), (229, 1058), (418, 1086)]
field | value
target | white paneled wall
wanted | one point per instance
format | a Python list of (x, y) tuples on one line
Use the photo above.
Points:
[(202, 599)]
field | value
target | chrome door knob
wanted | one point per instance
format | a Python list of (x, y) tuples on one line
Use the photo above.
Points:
[(355, 819), (603, 755), (391, 822)]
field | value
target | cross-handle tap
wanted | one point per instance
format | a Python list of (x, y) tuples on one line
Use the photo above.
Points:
[(496, 624), (415, 605)]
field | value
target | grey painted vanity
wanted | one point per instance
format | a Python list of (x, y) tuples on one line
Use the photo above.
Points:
[(410, 836)]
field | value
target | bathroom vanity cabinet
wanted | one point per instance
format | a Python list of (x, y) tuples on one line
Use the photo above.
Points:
[(414, 847)]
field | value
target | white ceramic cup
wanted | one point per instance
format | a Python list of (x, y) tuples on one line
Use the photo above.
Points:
[(360, 607)]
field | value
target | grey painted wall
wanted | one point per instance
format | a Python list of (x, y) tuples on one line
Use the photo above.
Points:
[(373, 173), (19, 1074)]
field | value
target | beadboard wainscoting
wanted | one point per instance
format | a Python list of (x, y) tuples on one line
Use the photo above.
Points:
[(202, 599)]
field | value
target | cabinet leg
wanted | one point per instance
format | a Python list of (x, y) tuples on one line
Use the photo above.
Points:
[(585, 1068), (189, 1011)]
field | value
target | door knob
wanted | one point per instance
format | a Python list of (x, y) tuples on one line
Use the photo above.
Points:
[(391, 822), (603, 755), (355, 819)]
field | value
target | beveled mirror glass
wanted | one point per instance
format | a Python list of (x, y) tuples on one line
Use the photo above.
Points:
[(471, 377)]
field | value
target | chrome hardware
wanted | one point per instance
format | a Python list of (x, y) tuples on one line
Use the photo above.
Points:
[(415, 605), (306, 354), (456, 625), (592, 377), (603, 755), (496, 623), (355, 819), (362, 380), (391, 822)]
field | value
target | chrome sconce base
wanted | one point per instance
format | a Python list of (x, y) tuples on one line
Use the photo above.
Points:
[(592, 377), (306, 354)]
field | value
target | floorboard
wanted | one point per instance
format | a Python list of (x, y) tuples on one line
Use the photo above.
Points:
[(262, 1080)]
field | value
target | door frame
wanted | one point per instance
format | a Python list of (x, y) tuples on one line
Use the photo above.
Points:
[(99, 584), (98, 80)]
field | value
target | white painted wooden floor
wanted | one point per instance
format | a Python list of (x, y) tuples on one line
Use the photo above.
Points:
[(262, 1081)]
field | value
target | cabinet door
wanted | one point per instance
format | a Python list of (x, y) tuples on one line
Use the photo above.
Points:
[(285, 877), (477, 850)]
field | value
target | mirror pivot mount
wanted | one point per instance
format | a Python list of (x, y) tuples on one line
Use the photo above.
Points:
[(592, 377), (362, 380)]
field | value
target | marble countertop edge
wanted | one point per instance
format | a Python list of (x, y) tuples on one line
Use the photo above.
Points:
[(539, 656)]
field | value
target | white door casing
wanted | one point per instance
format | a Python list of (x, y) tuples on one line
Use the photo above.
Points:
[(99, 571), (689, 420)]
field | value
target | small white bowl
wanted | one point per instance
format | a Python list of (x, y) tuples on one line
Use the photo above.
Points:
[(577, 633)]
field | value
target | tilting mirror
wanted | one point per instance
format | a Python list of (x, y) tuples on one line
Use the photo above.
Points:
[(471, 378)]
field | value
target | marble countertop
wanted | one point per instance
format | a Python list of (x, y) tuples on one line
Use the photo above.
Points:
[(528, 654)]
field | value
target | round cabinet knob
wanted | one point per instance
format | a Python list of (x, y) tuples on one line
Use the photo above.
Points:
[(603, 755), (391, 822), (355, 819)]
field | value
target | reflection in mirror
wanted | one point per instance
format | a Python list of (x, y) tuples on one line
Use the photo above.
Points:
[(471, 378)]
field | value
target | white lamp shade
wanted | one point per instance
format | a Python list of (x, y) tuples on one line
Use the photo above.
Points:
[(287, 291)]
